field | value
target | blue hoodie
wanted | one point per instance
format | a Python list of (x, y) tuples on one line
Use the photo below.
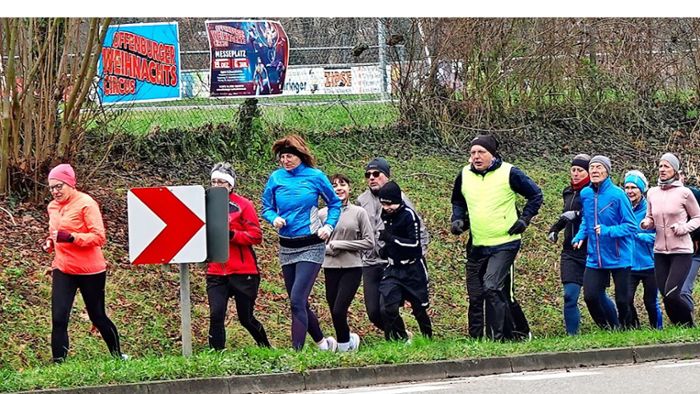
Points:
[(608, 206), (643, 241), (293, 196)]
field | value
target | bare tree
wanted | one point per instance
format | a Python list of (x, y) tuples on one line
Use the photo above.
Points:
[(475, 73), (47, 71)]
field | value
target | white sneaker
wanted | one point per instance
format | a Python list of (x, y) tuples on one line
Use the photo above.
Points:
[(124, 357), (354, 342), (328, 344), (343, 347)]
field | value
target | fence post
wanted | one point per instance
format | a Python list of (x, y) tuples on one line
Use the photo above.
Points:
[(381, 38)]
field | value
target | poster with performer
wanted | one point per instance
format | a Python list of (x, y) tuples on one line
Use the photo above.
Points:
[(248, 57), (140, 62)]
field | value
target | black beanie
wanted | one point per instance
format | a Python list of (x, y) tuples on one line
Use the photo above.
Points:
[(380, 164), (390, 193), (488, 142), (581, 160)]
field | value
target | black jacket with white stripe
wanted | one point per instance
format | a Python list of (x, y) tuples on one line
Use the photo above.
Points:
[(401, 236)]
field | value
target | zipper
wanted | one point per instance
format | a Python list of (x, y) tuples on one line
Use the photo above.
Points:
[(568, 208), (606, 207), (595, 223), (663, 220)]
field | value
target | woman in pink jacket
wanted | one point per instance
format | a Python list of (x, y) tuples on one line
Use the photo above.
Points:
[(673, 211), (76, 235)]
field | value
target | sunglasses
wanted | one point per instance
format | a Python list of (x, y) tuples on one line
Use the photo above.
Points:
[(374, 174)]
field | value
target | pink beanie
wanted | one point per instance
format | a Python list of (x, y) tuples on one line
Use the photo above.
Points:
[(65, 173)]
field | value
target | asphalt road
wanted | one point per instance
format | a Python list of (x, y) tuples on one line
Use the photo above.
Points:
[(669, 377)]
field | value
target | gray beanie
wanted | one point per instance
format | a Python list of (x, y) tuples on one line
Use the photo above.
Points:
[(672, 160), (223, 170), (604, 160)]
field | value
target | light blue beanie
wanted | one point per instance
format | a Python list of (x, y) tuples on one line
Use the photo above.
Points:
[(638, 179)]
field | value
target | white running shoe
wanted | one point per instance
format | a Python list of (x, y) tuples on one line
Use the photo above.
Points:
[(328, 344), (354, 342)]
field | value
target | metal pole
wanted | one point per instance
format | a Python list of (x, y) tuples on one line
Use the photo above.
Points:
[(381, 38), (185, 310)]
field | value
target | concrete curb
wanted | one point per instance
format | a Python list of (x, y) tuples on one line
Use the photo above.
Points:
[(337, 378)]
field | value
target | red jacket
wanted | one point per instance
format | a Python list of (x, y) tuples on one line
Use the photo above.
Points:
[(243, 223)]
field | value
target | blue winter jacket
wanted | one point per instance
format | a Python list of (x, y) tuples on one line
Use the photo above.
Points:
[(643, 240), (293, 196), (608, 206)]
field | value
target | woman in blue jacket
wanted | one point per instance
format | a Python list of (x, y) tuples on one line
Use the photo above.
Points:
[(290, 204), (609, 226), (643, 262)]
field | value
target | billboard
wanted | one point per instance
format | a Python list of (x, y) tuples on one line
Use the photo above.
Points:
[(140, 62), (248, 57)]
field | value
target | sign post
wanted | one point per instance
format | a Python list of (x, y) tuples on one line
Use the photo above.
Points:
[(185, 310), (167, 225)]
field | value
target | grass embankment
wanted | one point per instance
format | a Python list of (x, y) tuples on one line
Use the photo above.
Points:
[(144, 301), (252, 360)]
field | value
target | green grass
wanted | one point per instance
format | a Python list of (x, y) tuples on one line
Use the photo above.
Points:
[(252, 360), (263, 100), (330, 116)]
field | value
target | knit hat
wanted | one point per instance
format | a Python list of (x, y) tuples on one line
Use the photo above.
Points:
[(64, 173), (223, 170), (672, 160), (604, 160), (638, 179), (486, 141), (390, 193), (581, 160), (380, 164)]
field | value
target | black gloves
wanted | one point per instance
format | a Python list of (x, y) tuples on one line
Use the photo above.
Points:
[(64, 236), (385, 236), (518, 227), (457, 227), (553, 237)]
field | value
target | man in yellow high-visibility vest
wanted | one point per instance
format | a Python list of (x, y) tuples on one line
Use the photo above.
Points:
[(484, 202)]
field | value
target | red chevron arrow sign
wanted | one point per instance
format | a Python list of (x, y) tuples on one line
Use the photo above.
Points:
[(167, 225)]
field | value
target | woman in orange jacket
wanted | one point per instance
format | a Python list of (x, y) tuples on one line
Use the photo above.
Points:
[(76, 235), (237, 278)]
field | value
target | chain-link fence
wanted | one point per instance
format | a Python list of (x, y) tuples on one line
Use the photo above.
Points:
[(335, 68)]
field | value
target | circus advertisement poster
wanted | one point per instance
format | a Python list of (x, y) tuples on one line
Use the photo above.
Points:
[(248, 57), (140, 62)]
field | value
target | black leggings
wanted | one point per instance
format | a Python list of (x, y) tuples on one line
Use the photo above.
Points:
[(594, 282), (651, 304), (671, 273), (244, 290), (92, 289), (341, 287), (371, 276)]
